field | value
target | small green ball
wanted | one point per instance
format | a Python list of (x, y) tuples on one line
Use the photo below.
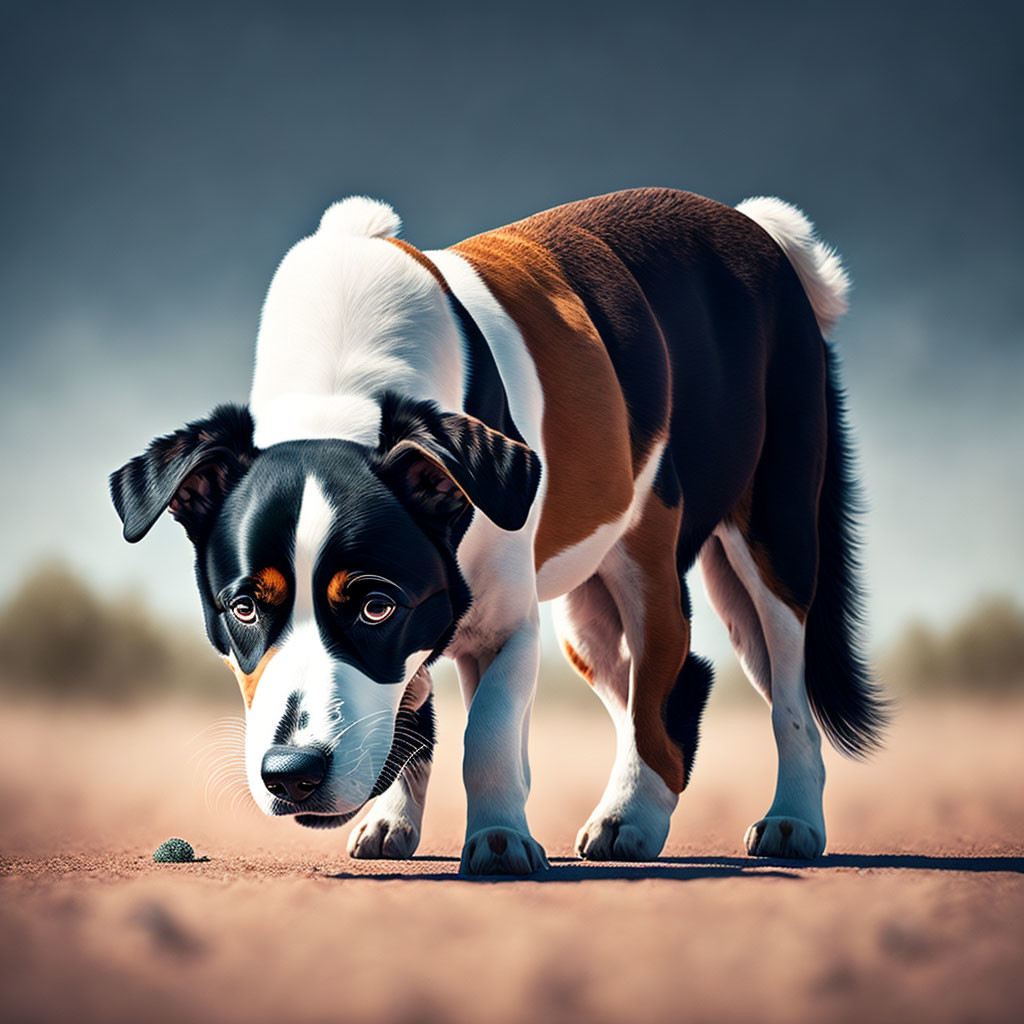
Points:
[(174, 851)]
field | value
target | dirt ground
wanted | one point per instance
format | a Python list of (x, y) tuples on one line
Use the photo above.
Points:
[(916, 913)]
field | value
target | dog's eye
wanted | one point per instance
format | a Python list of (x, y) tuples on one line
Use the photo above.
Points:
[(244, 609), (376, 609)]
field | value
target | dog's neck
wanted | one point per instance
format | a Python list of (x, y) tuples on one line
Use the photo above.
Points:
[(346, 320), (300, 417)]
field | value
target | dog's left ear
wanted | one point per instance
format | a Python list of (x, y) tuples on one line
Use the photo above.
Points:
[(439, 464), (189, 472)]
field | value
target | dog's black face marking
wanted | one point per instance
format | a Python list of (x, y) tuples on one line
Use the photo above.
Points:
[(373, 540), (292, 719)]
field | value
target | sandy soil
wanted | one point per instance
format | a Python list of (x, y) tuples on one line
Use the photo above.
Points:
[(916, 914)]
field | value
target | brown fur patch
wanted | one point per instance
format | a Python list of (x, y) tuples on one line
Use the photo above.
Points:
[(577, 662), (666, 642), (271, 586), (589, 467), (612, 295), (336, 588), (422, 260), (248, 683)]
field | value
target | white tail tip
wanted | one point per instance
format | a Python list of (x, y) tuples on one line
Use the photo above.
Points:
[(818, 265)]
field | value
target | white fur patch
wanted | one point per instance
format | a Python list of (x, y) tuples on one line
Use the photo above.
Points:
[(361, 215), (414, 663), (818, 265), (318, 417), (632, 819), (316, 516), (347, 317)]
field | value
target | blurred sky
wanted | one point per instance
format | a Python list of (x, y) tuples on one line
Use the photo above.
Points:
[(159, 159)]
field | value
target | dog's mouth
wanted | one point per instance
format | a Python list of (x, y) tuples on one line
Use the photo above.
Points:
[(307, 820), (314, 814)]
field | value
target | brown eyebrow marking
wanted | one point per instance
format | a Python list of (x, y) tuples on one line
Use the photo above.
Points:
[(336, 588), (271, 586)]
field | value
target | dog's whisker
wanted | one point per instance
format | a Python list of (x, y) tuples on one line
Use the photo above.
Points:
[(228, 721)]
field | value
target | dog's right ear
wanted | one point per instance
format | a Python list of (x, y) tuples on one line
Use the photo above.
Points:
[(189, 472)]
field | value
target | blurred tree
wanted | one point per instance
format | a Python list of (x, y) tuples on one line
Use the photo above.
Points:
[(60, 638), (983, 651)]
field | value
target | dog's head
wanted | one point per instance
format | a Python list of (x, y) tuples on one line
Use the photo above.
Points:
[(329, 576)]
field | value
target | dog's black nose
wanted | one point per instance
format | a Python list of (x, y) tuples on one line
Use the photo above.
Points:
[(293, 773)]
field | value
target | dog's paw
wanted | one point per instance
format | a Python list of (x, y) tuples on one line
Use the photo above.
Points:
[(502, 851), (784, 836), (384, 838), (617, 837)]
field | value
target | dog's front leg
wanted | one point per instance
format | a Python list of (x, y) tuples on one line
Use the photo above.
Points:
[(495, 768), (391, 829)]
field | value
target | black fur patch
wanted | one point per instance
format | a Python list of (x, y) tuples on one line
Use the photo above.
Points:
[(292, 720), (486, 398), (685, 705), (845, 698), (685, 708), (415, 734), (190, 471), (496, 474)]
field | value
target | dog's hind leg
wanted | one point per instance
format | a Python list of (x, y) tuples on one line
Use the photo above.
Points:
[(794, 825), (391, 829), (626, 631)]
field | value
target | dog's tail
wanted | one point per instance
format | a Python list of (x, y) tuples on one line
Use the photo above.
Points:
[(818, 265), (845, 698)]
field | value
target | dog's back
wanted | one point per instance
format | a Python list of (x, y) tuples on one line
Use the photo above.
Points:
[(703, 321)]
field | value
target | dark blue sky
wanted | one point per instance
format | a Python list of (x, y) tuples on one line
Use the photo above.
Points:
[(159, 160)]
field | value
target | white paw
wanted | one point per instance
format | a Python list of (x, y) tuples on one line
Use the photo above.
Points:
[(384, 838), (621, 836), (784, 836), (502, 851)]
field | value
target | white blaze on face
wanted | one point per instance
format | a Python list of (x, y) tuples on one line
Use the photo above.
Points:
[(349, 714)]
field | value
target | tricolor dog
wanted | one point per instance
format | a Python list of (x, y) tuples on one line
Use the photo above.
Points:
[(575, 408)]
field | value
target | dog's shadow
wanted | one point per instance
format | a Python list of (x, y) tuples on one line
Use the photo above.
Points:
[(688, 869)]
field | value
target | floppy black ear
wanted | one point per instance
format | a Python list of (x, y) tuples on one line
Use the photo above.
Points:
[(441, 463), (189, 472)]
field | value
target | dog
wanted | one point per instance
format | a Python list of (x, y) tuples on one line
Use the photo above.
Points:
[(575, 408)]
